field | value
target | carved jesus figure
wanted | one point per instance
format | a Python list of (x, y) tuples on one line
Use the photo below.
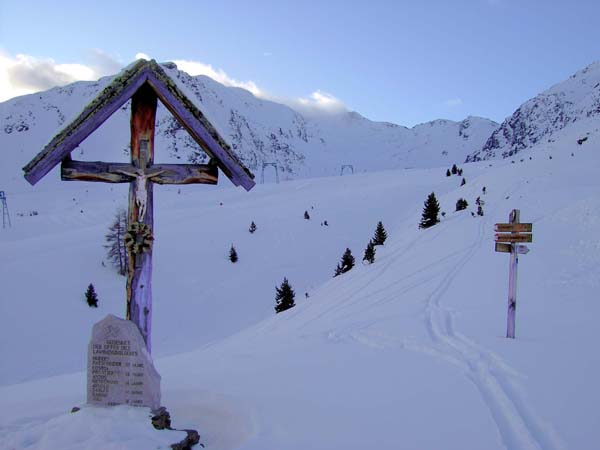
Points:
[(141, 193)]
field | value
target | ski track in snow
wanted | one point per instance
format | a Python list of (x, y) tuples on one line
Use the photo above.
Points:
[(519, 426)]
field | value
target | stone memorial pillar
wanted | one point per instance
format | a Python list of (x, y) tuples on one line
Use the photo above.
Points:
[(120, 369)]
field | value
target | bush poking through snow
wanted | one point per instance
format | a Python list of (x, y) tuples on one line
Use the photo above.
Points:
[(233, 256), (252, 228), (284, 297), (306, 215), (430, 212), (380, 234), (91, 297)]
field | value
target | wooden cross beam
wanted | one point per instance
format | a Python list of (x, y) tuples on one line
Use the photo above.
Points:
[(141, 175)]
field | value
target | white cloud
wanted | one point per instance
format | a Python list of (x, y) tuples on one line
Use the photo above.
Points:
[(142, 56), (452, 102), (24, 74), (199, 68), (318, 101)]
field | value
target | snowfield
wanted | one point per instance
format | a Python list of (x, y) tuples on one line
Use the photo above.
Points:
[(406, 353)]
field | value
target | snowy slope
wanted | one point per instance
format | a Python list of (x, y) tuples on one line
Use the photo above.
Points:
[(540, 118), (405, 353), (258, 130)]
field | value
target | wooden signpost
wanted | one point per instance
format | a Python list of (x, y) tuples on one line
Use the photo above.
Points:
[(507, 237)]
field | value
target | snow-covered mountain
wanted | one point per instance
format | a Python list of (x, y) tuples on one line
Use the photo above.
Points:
[(258, 130), (537, 120)]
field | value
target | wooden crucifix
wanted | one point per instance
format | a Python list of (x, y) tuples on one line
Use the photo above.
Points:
[(141, 174), (144, 82)]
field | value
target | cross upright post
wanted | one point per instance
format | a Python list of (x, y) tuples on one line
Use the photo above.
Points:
[(139, 277)]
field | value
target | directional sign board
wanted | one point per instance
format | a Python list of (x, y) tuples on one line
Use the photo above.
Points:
[(514, 237), (513, 227), (504, 248), (522, 249)]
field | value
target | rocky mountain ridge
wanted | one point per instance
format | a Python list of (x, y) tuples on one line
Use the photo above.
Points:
[(258, 130)]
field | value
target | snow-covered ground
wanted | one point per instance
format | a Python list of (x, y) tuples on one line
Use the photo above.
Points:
[(406, 353)]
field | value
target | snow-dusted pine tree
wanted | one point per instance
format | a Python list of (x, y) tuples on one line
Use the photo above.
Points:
[(430, 212), (380, 234), (233, 256), (461, 204), (346, 264), (91, 297), (370, 253), (284, 296)]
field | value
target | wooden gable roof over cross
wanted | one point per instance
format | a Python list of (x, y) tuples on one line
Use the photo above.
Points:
[(144, 82), (140, 74)]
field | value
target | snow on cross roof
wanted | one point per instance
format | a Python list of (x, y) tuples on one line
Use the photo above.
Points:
[(113, 96)]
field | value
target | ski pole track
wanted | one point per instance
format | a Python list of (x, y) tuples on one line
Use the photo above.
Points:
[(520, 428)]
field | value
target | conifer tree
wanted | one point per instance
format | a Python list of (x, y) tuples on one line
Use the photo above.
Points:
[(461, 204), (346, 264), (370, 253), (448, 172), (454, 169), (233, 256), (284, 297), (115, 244), (479, 211), (306, 215), (430, 212), (380, 234), (91, 297), (252, 228), (463, 182)]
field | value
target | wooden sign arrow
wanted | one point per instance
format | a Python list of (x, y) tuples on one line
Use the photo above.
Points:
[(504, 248), (514, 238), (513, 227)]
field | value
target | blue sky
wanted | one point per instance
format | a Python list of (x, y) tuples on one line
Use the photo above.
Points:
[(398, 61)]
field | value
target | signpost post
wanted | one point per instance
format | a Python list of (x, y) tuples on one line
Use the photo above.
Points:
[(508, 238)]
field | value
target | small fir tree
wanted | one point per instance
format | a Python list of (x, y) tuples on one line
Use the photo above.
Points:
[(115, 243), (463, 182), (461, 204), (479, 211), (448, 172), (370, 253), (380, 234), (284, 297), (252, 228), (459, 173), (306, 215), (233, 256), (346, 264), (454, 169), (430, 212), (91, 297)]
